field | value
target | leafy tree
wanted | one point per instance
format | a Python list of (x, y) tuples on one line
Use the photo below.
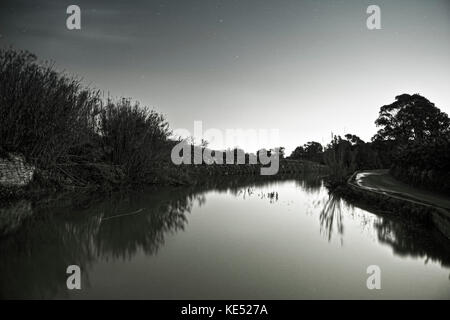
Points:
[(313, 148), (354, 139), (298, 153), (345, 156), (411, 117), (424, 164), (309, 151), (133, 136)]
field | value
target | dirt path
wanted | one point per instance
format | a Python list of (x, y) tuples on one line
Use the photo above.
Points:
[(382, 181)]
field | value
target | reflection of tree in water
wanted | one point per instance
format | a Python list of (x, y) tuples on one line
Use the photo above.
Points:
[(331, 216), (242, 187), (235, 184), (35, 258), (121, 236), (413, 240), (405, 238), (310, 183), (252, 192)]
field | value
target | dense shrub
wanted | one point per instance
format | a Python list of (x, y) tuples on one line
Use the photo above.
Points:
[(340, 158), (425, 164), (52, 119), (344, 157), (133, 136), (312, 151), (42, 113)]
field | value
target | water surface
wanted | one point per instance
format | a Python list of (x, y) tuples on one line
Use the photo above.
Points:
[(286, 239)]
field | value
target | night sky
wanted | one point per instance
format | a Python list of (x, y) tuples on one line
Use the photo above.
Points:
[(307, 68)]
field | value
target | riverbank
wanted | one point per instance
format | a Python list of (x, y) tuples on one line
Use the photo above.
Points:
[(14, 213), (379, 190), (86, 177)]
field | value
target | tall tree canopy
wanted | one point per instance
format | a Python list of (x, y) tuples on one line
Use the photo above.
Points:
[(411, 117), (309, 151)]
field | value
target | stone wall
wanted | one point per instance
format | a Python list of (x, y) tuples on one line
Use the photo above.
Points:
[(15, 172)]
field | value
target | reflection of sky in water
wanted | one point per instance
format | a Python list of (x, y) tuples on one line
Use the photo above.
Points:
[(280, 239)]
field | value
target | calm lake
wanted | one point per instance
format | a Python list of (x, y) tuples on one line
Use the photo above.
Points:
[(285, 239)]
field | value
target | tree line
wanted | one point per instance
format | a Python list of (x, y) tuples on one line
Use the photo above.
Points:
[(51, 118), (413, 141)]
